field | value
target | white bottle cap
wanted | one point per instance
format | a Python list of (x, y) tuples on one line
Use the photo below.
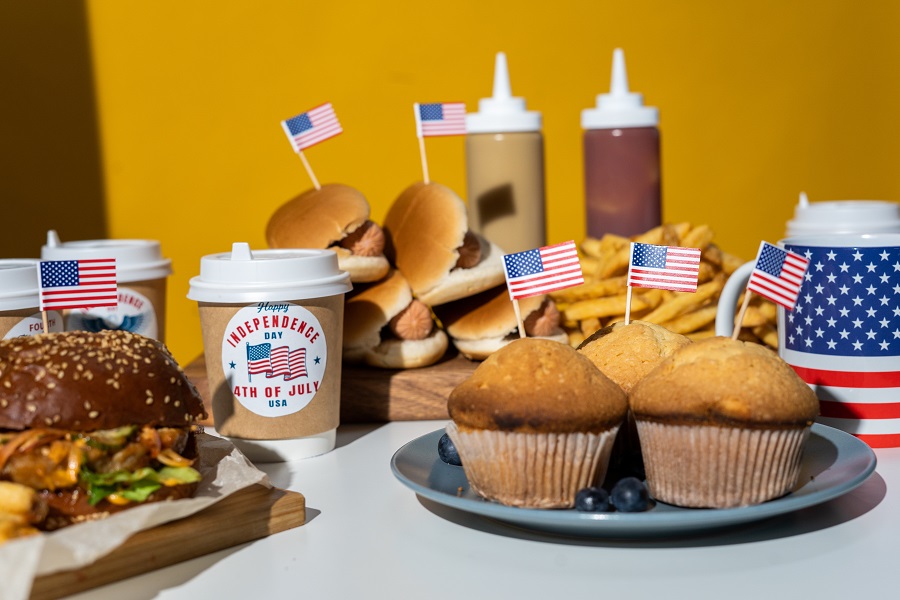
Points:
[(620, 107), (19, 284), (502, 112), (242, 276), (844, 216), (136, 260)]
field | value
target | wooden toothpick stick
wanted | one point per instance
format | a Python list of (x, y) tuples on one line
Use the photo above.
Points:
[(740, 317), (309, 170)]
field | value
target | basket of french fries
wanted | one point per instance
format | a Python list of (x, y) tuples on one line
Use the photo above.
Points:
[(601, 300)]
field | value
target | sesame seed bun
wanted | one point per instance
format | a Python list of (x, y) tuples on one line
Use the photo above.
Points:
[(320, 218), (426, 226), (87, 381)]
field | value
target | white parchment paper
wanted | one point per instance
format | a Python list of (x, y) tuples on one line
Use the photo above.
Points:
[(224, 469)]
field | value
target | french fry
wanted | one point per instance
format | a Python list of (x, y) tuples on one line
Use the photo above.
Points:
[(685, 301), (594, 289), (754, 317), (692, 321), (15, 498), (698, 237), (603, 247), (609, 306), (589, 326), (768, 334), (575, 338)]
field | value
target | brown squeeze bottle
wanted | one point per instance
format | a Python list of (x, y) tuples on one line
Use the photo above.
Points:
[(621, 160), (505, 169)]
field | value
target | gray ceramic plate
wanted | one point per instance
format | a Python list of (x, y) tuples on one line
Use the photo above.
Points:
[(834, 463)]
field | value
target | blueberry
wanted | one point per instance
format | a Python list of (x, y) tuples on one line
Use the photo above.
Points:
[(447, 451), (592, 499), (630, 495)]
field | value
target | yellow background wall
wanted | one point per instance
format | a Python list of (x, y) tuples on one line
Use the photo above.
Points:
[(176, 136)]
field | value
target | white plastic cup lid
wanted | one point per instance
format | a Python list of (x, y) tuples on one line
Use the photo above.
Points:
[(19, 284), (844, 216), (136, 260), (243, 275)]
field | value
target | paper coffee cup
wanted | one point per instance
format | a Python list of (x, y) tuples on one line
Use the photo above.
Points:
[(141, 274), (272, 324), (20, 314)]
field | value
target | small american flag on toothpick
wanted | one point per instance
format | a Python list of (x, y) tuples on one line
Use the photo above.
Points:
[(311, 127), (662, 267), (440, 118), (777, 275), (71, 284), (540, 271)]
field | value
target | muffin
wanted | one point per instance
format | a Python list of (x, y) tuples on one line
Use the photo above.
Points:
[(534, 423), (625, 354), (722, 423)]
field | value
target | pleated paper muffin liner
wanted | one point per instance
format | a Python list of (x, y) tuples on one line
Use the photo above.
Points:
[(532, 470), (704, 466)]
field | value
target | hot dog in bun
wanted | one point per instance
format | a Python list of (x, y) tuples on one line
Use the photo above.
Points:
[(335, 216), (429, 241)]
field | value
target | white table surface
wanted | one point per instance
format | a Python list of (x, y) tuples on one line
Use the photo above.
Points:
[(368, 536)]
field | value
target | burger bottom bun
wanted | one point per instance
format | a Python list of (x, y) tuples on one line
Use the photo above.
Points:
[(362, 269), (462, 283), (481, 349), (395, 353)]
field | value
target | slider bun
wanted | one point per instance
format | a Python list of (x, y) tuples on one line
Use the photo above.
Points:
[(425, 227), (370, 311), (320, 218), (482, 324)]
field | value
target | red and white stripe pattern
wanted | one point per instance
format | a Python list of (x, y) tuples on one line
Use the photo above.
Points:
[(287, 362), (664, 267), (441, 118), (542, 270), (84, 283), (314, 126), (857, 395), (778, 275)]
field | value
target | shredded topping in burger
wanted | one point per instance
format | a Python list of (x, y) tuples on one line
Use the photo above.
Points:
[(125, 464), (366, 240), (544, 321), (412, 323), (469, 252)]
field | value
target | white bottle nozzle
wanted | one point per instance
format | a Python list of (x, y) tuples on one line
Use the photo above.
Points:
[(502, 112), (804, 201), (620, 107), (618, 83), (502, 90)]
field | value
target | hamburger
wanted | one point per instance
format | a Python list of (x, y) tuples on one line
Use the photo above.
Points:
[(385, 327), (335, 216), (96, 423), (482, 324), (429, 241)]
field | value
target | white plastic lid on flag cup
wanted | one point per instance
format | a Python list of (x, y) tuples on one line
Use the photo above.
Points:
[(844, 216), (272, 324), (20, 299), (141, 275)]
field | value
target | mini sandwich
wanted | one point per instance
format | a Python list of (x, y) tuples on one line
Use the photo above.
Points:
[(385, 327), (335, 216), (95, 423), (481, 325), (428, 239)]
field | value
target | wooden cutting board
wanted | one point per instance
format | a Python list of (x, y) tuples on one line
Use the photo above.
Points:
[(248, 514), (377, 395)]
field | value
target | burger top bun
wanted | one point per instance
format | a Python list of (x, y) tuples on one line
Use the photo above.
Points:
[(482, 324), (88, 381), (324, 218), (426, 231), (388, 306)]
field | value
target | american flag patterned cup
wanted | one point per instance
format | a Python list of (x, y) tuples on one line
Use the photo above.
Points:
[(843, 335)]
